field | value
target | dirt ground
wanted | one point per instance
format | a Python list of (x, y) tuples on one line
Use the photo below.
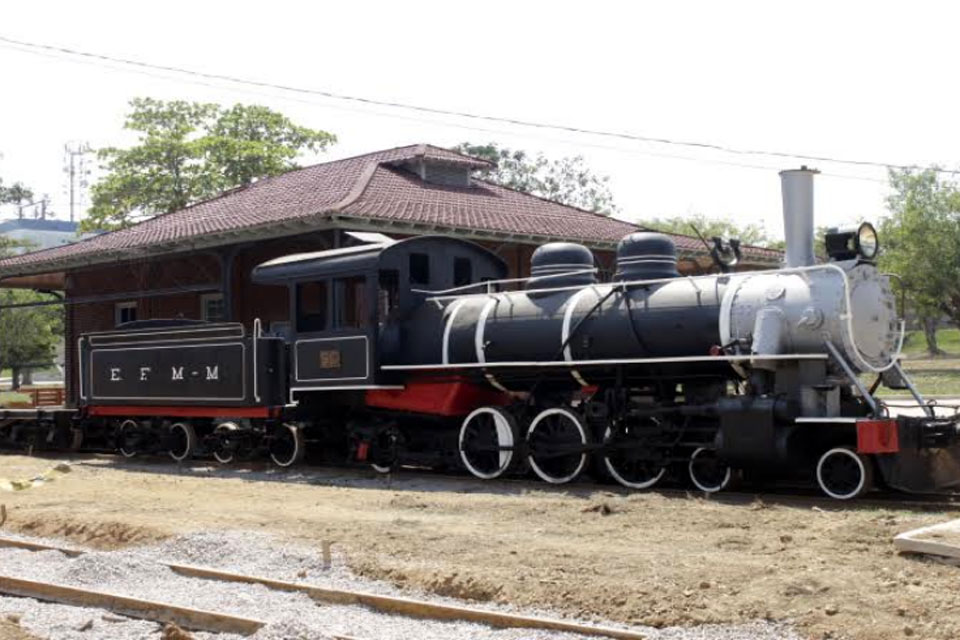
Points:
[(11, 631), (649, 558)]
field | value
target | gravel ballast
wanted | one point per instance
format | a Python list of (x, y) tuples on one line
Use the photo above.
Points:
[(140, 572)]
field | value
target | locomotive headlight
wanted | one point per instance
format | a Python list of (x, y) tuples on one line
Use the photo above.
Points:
[(848, 244), (867, 242)]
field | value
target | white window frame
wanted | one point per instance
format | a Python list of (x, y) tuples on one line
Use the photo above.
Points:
[(118, 309), (209, 297)]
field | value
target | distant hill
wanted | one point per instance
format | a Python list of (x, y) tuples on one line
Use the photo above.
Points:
[(39, 233)]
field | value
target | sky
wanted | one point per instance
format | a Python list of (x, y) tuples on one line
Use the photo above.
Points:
[(854, 80)]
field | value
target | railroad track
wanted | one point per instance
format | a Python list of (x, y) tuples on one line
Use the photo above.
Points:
[(211, 621), (787, 495)]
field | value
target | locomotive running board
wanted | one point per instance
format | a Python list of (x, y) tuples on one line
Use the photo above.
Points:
[(601, 363)]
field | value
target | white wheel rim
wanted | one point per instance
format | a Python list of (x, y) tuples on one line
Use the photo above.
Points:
[(123, 426), (297, 447), (583, 440), (700, 485), (616, 476), (191, 438), (856, 458), (226, 426), (379, 468), (504, 439)]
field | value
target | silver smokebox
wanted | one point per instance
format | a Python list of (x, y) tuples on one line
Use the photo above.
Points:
[(797, 187)]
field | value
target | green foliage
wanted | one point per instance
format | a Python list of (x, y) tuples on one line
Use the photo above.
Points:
[(189, 151), (16, 193), (920, 241), (754, 234), (751, 233), (29, 334), (9, 245), (567, 180)]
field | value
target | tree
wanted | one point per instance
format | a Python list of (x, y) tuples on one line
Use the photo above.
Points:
[(189, 151), (921, 242), (16, 193), (28, 335), (567, 180), (754, 234)]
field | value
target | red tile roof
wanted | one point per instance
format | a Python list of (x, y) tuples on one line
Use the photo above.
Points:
[(374, 187)]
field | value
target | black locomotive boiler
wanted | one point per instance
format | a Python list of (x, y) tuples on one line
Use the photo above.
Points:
[(420, 352)]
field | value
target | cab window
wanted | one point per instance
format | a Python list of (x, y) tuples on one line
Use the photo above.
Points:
[(312, 306), (351, 302), (387, 293), (419, 269)]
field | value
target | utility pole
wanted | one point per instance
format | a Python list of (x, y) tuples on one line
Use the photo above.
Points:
[(75, 165)]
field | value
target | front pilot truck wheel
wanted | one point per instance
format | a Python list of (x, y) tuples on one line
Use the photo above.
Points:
[(844, 474)]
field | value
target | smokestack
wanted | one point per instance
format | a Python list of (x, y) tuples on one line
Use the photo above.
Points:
[(797, 187)]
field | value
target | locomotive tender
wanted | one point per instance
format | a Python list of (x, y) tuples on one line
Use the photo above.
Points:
[(420, 352)]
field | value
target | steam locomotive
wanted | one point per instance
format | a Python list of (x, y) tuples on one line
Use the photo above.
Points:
[(421, 353)]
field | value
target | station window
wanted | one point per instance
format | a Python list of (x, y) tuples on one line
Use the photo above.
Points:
[(419, 268), (462, 272), (351, 302), (125, 312), (211, 307), (311, 306), (387, 293)]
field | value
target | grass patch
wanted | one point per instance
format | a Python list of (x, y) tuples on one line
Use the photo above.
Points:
[(938, 376), (928, 383), (6, 397), (915, 345)]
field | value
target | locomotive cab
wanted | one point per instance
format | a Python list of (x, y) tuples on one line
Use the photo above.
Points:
[(346, 303)]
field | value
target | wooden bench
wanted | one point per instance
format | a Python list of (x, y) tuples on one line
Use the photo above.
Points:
[(44, 396)]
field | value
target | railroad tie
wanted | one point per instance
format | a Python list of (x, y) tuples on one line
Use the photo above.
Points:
[(387, 604)]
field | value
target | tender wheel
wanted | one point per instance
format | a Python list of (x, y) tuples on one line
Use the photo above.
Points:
[(625, 463), (384, 451), (183, 441), (486, 442), (707, 472), (844, 474), (557, 439), (129, 438), (287, 447), (226, 442)]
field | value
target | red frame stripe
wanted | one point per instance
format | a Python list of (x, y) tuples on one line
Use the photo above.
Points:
[(184, 412)]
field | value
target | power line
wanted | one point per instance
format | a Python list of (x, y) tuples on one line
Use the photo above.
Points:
[(460, 114), (432, 121)]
